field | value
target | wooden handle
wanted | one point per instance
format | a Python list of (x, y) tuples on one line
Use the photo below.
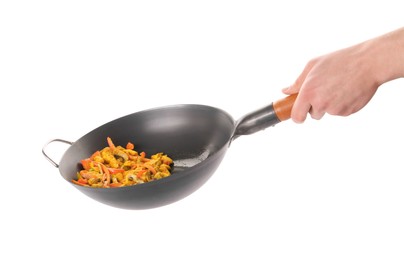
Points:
[(283, 107)]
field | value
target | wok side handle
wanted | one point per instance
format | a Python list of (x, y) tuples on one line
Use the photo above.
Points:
[(270, 115), (49, 142)]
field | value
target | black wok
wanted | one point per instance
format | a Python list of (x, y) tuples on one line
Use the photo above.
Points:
[(195, 136)]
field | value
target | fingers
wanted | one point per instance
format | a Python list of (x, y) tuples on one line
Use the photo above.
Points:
[(302, 105), (296, 86), (300, 110), (316, 114)]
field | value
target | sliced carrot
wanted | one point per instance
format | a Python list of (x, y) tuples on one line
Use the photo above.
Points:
[(130, 146), (86, 163), (106, 174), (97, 153), (79, 183), (150, 168), (115, 170), (115, 185), (141, 173), (110, 143)]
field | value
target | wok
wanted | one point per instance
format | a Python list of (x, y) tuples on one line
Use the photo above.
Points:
[(196, 137)]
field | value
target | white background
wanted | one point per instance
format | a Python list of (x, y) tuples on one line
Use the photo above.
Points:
[(328, 189)]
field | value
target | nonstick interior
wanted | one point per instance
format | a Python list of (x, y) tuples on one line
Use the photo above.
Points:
[(196, 137)]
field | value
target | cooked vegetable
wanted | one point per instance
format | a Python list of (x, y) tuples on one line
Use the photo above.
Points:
[(116, 166)]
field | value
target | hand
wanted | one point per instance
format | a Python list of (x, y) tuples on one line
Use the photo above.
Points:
[(341, 83)]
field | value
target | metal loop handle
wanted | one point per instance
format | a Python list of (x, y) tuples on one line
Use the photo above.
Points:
[(51, 141)]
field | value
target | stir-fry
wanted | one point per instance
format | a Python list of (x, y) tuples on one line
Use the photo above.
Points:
[(116, 166)]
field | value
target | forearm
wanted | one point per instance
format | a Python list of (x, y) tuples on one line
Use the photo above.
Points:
[(388, 55)]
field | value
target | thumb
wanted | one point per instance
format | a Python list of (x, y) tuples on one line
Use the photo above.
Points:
[(295, 87), (292, 89), (289, 90)]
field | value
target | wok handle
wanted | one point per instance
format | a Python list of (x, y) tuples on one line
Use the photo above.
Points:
[(283, 107), (49, 142), (260, 119)]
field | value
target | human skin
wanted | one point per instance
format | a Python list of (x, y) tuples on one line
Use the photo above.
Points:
[(343, 82)]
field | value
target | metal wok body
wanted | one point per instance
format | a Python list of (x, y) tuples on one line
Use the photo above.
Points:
[(196, 137)]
